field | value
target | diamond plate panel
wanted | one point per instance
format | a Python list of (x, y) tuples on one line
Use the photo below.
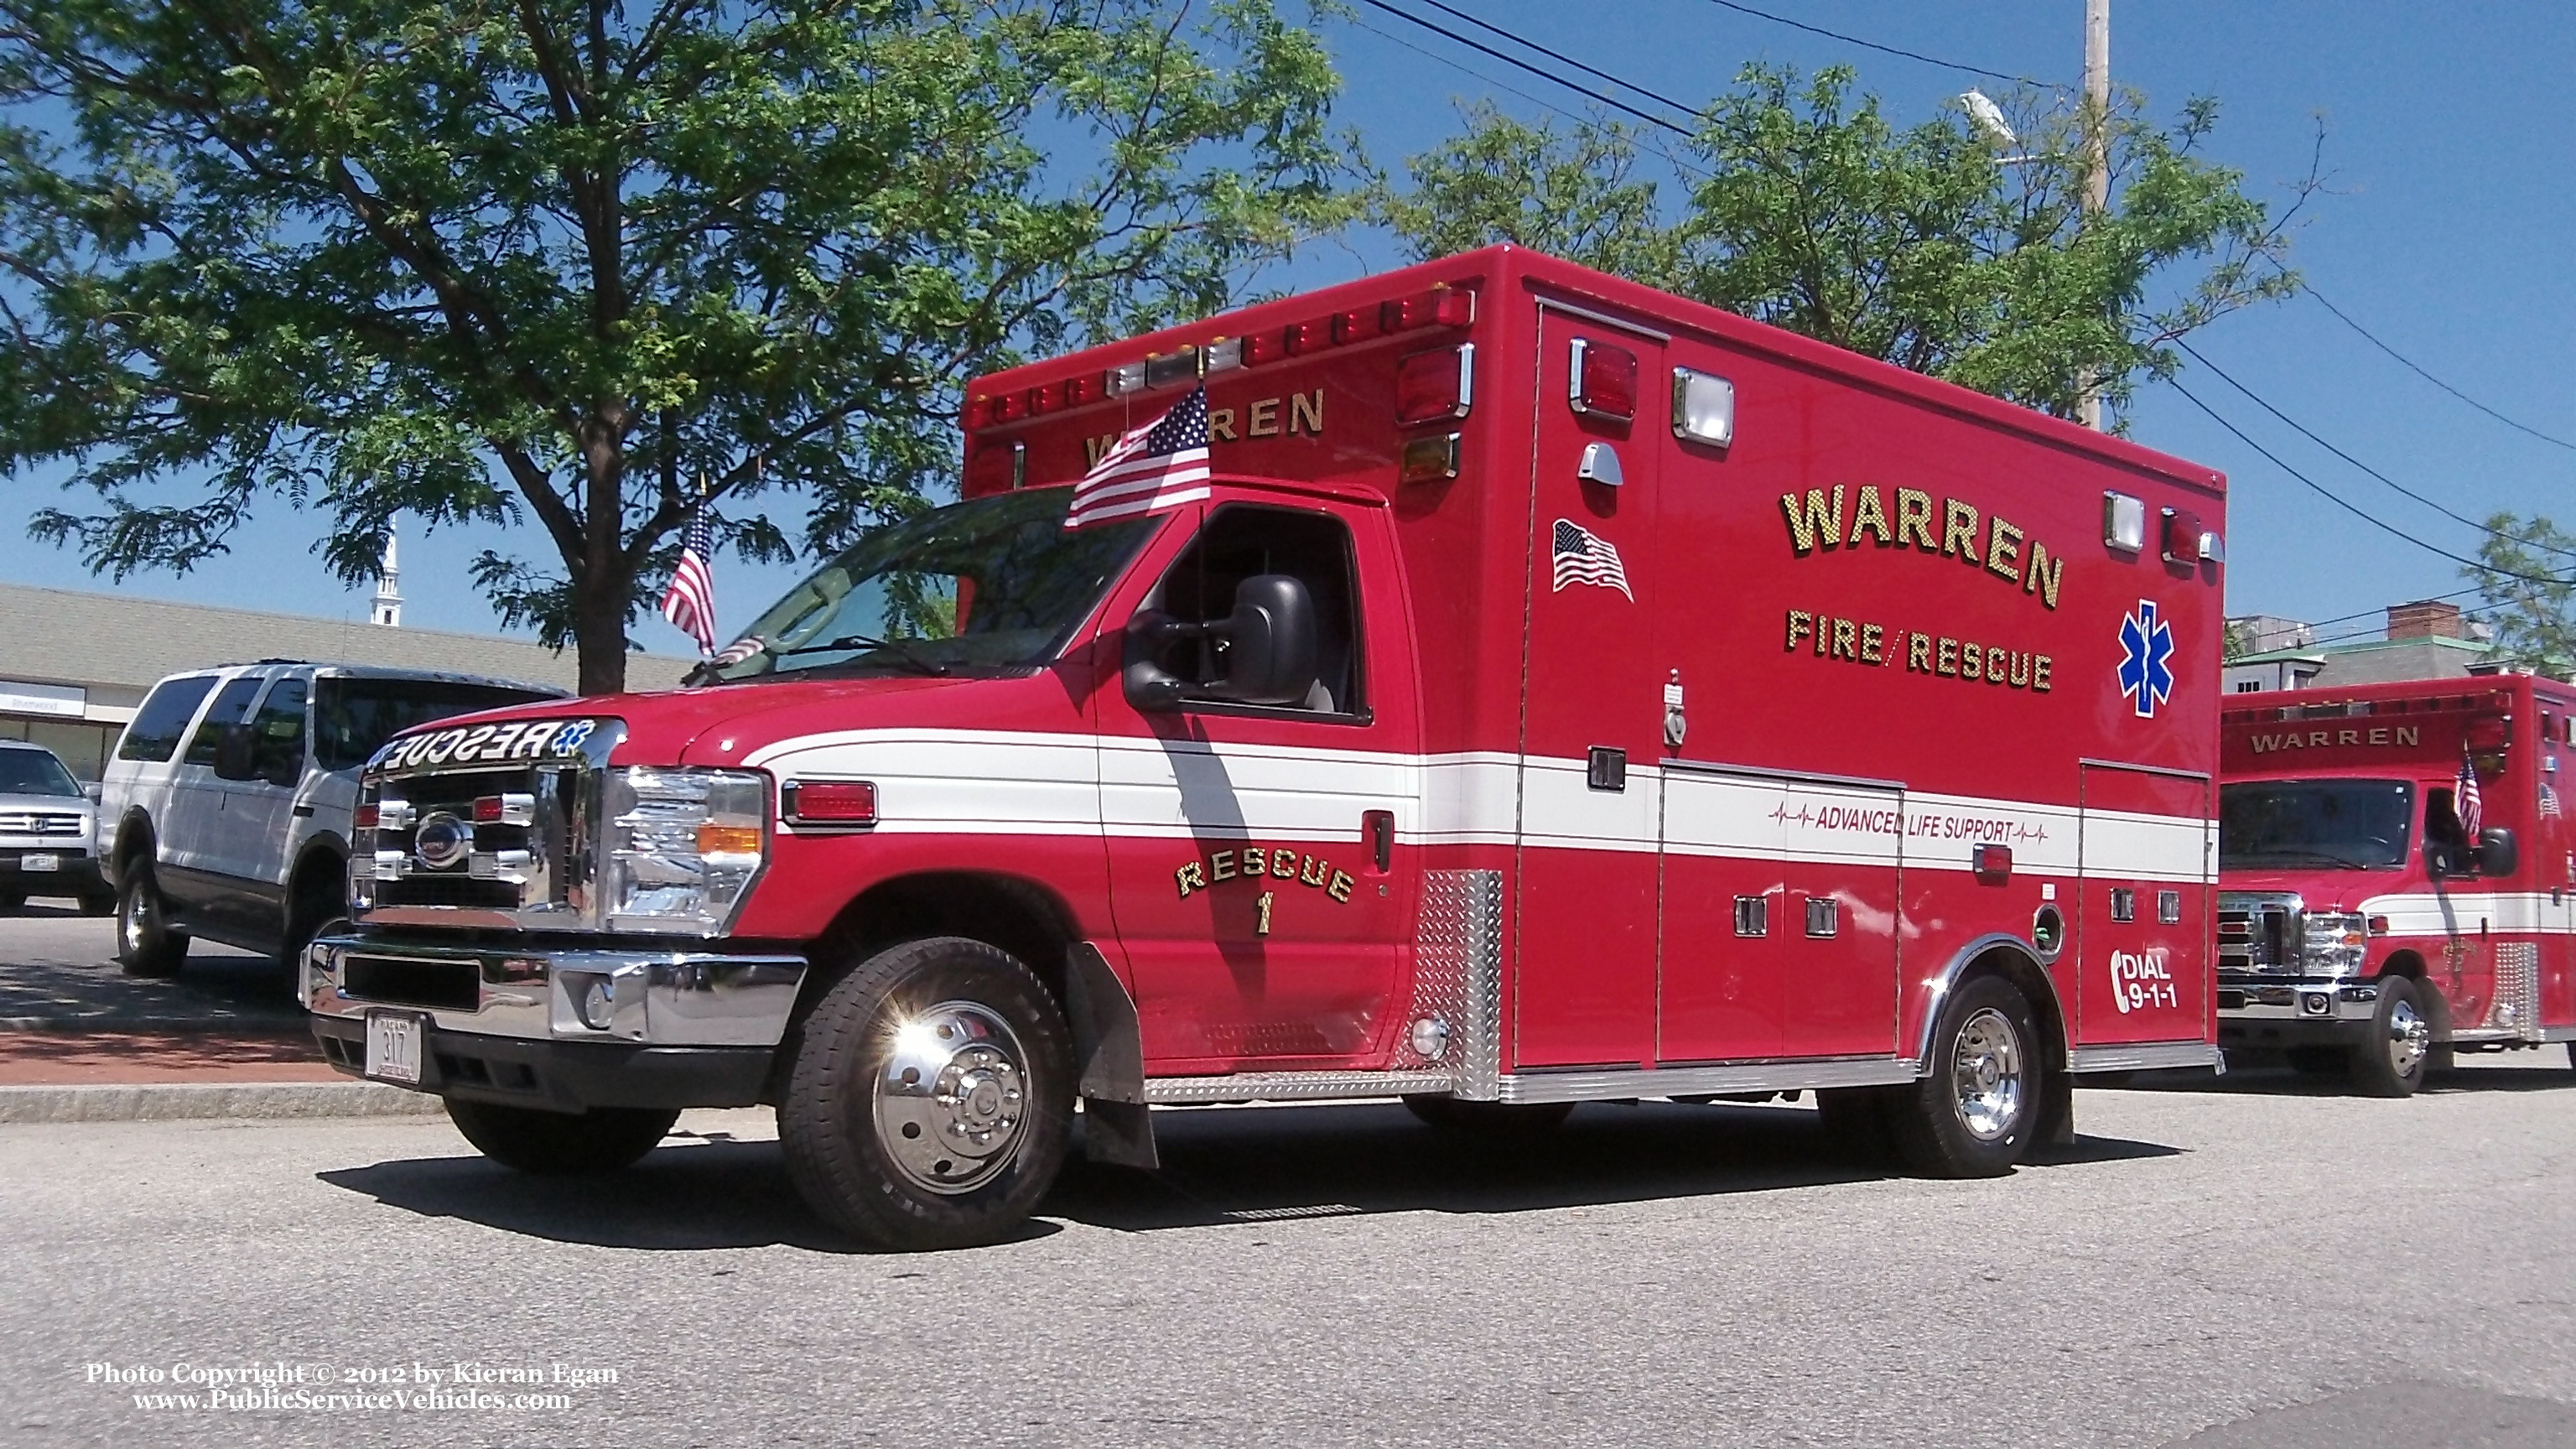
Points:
[(2517, 997), (1457, 977)]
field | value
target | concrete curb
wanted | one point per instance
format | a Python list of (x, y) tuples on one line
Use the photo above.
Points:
[(172, 1101)]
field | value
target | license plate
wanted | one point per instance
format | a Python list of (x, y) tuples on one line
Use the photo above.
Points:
[(393, 1047), (40, 862)]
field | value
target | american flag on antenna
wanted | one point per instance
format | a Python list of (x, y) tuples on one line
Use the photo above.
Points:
[(1583, 557), (1158, 465), (2464, 798), (690, 602)]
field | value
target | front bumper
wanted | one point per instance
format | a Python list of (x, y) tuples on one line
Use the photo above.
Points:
[(75, 873), (564, 1076), (2278, 1013), (667, 998)]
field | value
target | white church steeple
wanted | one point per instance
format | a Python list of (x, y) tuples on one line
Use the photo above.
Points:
[(389, 587)]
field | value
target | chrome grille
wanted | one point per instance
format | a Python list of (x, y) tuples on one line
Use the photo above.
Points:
[(526, 864), (2259, 932), (39, 822)]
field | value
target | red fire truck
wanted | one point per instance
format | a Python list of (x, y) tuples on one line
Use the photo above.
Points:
[(2397, 877), (1562, 692)]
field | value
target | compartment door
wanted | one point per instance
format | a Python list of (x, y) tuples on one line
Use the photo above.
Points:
[(1844, 841), (2145, 938), (1727, 931)]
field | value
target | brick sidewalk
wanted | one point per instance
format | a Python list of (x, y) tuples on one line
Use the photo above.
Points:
[(137, 1058)]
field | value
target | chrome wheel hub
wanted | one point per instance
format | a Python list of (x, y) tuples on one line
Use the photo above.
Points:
[(952, 1097), (130, 919), (2409, 1035), (1986, 1072)]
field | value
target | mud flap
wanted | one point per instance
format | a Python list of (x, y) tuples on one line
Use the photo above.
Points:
[(2056, 1124), (1109, 1050)]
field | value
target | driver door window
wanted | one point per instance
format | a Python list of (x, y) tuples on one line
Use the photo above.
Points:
[(1242, 543)]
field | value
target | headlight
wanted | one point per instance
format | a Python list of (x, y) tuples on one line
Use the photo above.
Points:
[(2334, 944), (682, 847)]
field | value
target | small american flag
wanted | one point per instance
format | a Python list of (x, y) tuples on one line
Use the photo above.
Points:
[(1157, 465), (690, 602), (2465, 802), (1582, 557), (738, 651), (2549, 802)]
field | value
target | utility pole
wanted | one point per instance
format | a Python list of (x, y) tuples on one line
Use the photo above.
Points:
[(2097, 163)]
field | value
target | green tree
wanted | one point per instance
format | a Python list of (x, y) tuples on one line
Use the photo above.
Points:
[(472, 260), (1804, 207), (2534, 621)]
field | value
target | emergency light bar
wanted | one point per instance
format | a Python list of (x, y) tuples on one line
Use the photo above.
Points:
[(1442, 306)]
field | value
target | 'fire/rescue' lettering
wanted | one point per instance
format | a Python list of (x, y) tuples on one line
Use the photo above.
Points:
[(1864, 643), (1817, 523)]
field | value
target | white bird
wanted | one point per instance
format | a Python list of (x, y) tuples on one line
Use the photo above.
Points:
[(1988, 117)]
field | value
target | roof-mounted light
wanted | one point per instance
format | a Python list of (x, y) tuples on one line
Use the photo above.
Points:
[(2182, 537)]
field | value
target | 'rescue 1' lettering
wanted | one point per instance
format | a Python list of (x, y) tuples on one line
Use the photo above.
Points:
[(1254, 862)]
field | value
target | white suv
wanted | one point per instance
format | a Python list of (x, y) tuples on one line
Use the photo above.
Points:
[(48, 831), (225, 811)]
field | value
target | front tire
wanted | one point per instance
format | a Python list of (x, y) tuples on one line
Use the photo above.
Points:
[(1973, 1115), (146, 944), (2390, 1062), (929, 1098), (554, 1144)]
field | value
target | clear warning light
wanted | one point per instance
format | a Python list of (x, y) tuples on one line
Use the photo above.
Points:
[(1703, 408)]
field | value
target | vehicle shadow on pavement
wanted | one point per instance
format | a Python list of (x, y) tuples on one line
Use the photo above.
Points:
[(1221, 1167), (1235, 1166), (683, 1196), (2279, 1081)]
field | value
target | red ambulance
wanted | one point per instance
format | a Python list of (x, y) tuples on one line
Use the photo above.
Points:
[(1558, 692), (2397, 877)]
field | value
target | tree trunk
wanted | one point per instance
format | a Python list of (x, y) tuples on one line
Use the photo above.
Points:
[(599, 632)]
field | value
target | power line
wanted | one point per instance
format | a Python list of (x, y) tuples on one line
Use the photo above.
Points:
[(1481, 48), (2356, 462), (1886, 49), (1684, 107), (2337, 500), (2409, 365)]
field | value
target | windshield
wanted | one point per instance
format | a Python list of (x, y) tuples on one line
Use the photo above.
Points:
[(2351, 824), (352, 716), (35, 772), (993, 583)]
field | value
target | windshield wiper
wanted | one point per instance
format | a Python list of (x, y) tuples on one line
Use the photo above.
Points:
[(868, 641)]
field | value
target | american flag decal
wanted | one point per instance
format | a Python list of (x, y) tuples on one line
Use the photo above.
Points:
[(1582, 557), (1158, 465)]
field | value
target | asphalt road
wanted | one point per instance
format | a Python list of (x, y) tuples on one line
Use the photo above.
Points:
[(2253, 1263), (58, 970)]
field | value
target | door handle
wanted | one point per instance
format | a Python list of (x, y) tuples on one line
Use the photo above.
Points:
[(1379, 826)]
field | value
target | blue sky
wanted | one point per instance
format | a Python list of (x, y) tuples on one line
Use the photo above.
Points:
[(2450, 132)]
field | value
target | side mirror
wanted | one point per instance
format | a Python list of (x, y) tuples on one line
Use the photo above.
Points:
[(95, 791), (236, 753), (1267, 646), (2497, 854), (1262, 653)]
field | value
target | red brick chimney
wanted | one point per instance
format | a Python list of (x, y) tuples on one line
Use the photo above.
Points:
[(2425, 619)]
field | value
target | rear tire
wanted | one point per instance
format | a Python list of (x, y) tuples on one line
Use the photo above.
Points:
[(146, 943), (1973, 1115), (2390, 1062), (555, 1144), (1487, 1119), (929, 1097)]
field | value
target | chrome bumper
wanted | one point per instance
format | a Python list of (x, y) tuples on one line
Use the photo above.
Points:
[(2298, 1001), (656, 998)]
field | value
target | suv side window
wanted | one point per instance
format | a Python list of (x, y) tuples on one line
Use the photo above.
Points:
[(278, 733), (1244, 540), (154, 734), (231, 704)]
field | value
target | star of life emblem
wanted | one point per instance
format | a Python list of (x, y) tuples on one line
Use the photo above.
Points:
[(2146, 649)]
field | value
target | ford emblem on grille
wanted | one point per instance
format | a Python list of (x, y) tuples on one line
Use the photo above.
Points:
[(442, 840)]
